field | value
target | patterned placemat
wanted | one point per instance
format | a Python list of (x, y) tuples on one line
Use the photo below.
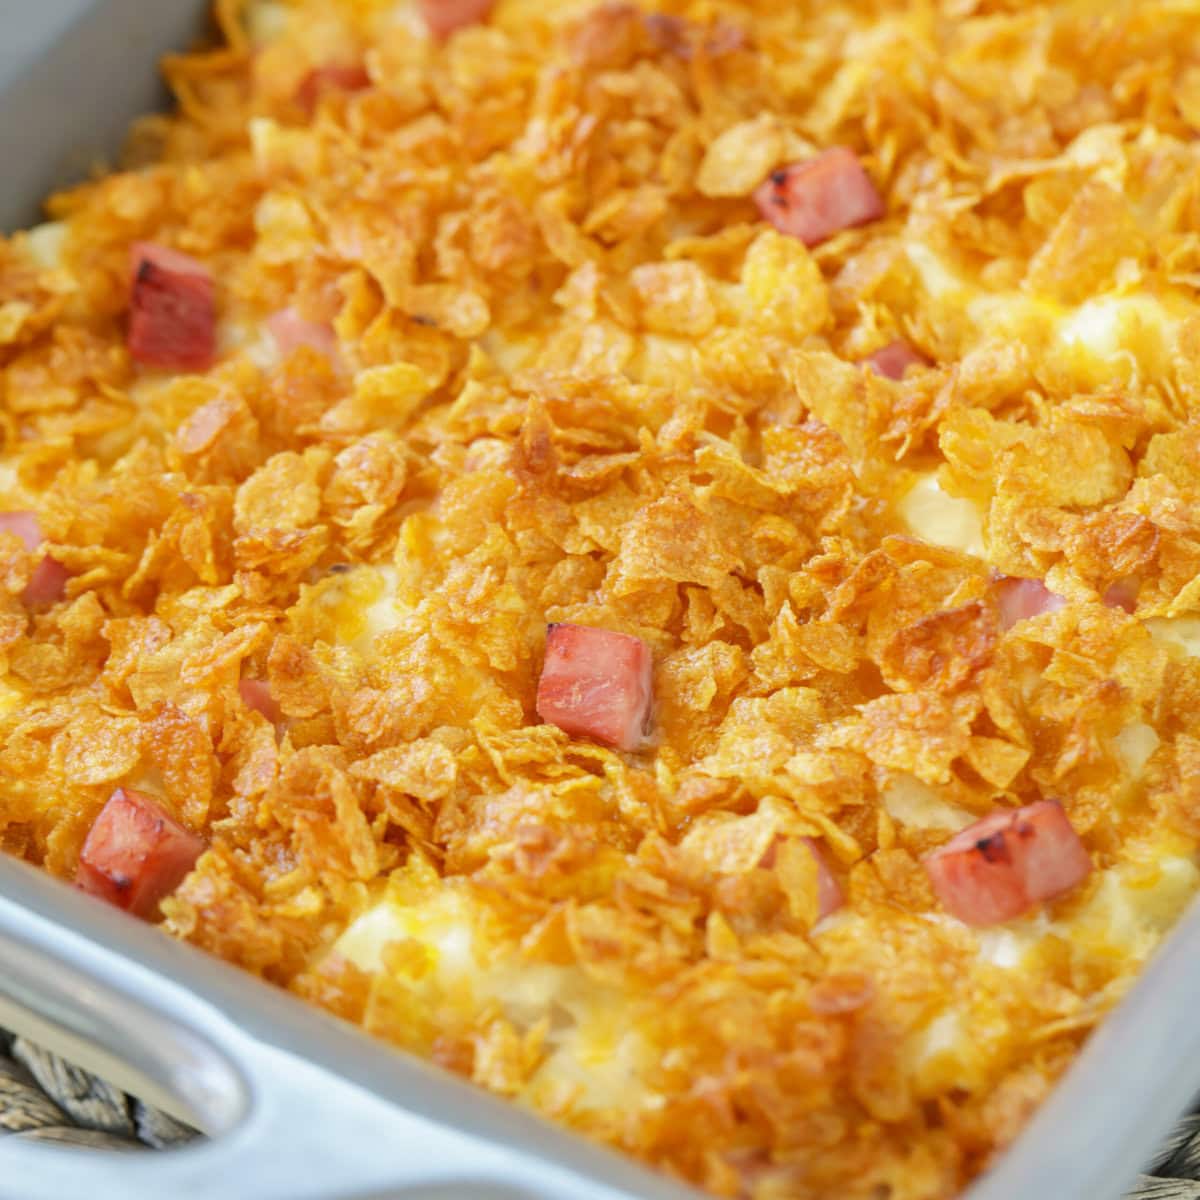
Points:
[(44, 1098)]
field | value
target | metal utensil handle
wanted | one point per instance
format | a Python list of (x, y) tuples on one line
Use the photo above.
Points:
[(301, 1107)]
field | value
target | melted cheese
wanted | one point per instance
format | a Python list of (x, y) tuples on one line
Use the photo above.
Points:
[(1134, 745), (440, 925), (10, 484), (592, 1059), (1182, 633), (1130, 907), (1088, 341), (941, 519), (938, 279), (384, 613), (255, 342), (1129, 910), (357, 608), (1133, 906), (936, 1046), (917, 805), (1002, 947), (45, 244), (408, 17), (266, 21), (595, 1067)]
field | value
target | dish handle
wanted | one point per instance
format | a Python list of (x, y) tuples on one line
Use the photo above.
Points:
[(298, 1106)]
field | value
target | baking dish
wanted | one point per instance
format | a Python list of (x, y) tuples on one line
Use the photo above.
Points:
[(246, 1062)]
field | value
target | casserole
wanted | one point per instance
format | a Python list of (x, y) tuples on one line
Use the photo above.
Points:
[(867, 211)]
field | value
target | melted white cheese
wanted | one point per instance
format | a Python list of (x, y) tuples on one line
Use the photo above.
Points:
[(254, 341), (359, 607), (938, 279), (1086, 340), (1136, 328), (592, 1058), (440, 929), (944, 1034), (1130, 909), (941, 519), (917, 805), (384, 613), (1134, 745), (1002, 947), (1183, 633), (9, 482), (45, 244), (1133, 906), (266, 21)]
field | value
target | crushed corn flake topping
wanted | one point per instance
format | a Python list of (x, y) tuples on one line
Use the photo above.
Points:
[(548, 364)]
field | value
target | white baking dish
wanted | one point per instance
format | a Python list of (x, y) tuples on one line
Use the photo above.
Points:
[(301, 1106)]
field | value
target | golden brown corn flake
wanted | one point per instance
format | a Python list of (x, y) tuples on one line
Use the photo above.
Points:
[(578, 378)]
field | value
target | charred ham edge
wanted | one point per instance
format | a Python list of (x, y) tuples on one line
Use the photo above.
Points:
[(814, 199), (1003, 865), (136, 854), (48, 583), (596, 683), (172, 318)]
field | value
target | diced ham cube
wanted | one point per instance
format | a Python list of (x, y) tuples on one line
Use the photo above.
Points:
[(892, 360), (256, 695), (135, 854), (1123, 594), (1004, 864), (1020, 599), (596, 683), (291, 331), (829, 891), (444, 17), (48, 583), (23, 524), (173, 317), (345, 77), (685, 40), (815, 199)]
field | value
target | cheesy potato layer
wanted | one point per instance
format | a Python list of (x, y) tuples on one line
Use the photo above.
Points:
[(506, 335)]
